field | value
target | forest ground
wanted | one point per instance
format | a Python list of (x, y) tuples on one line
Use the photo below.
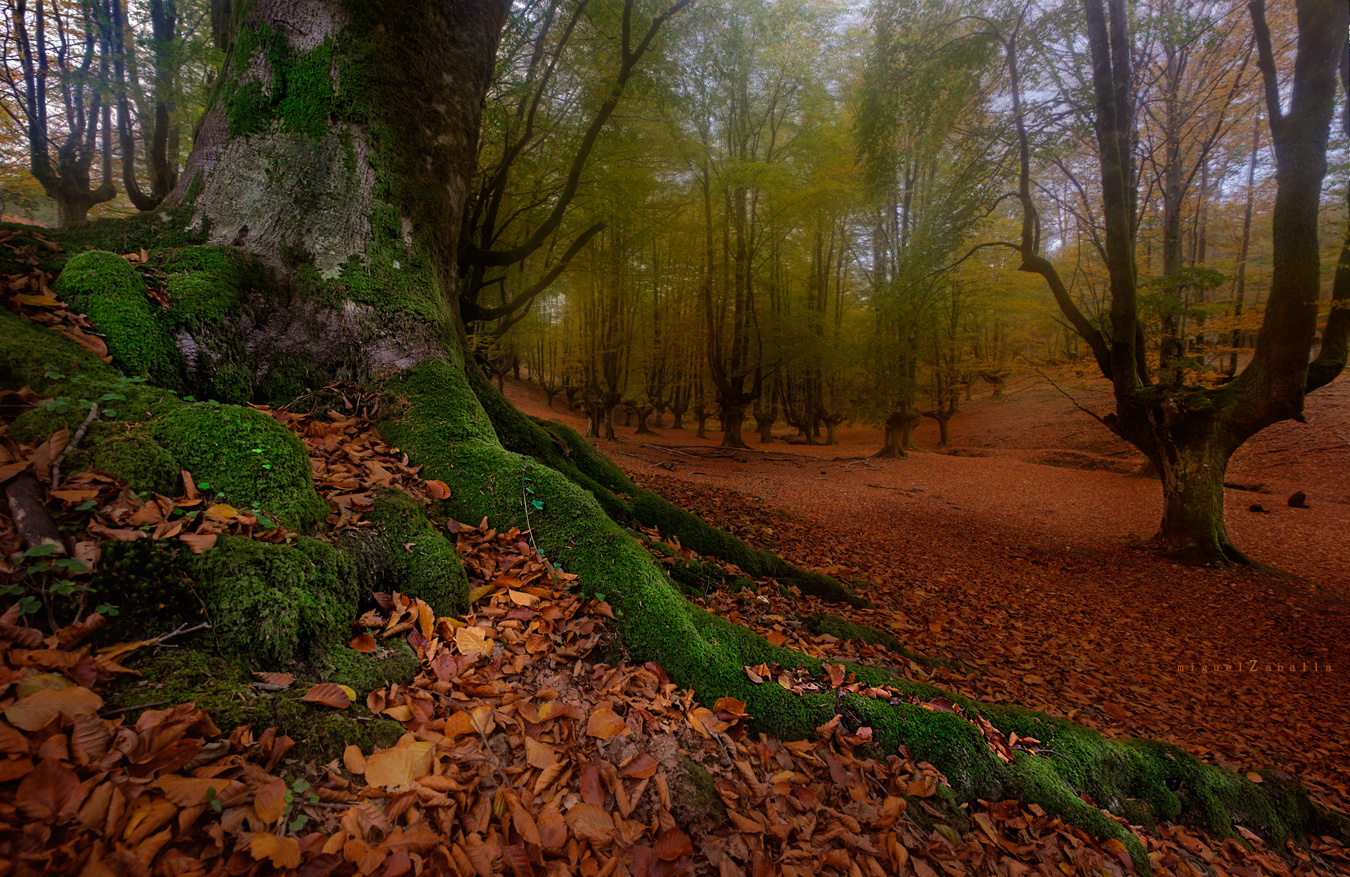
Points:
[(1021, 550)]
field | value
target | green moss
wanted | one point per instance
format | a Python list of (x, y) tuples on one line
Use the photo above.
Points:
[(247, 457), (564, 450), (138, 460), (289, 378), (221, 687), (848, 630), (162, 229), (394, 662), (106, 288), (299, 95), (275, 603), (696, 801), (32, 355), (403, 551)]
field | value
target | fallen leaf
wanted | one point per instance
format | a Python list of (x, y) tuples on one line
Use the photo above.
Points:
[(199, 543), (330, 694), (365, 643), (591, 823), (604, 723), (282, 852), (269, 802), (33, 712), (438, 489), (472, 642), (397, 769)]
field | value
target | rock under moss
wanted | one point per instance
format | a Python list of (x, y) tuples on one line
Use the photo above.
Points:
[(138, 460), (245, 457)]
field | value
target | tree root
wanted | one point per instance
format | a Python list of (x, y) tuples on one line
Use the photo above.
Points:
[(1139, 780), (565, 451)]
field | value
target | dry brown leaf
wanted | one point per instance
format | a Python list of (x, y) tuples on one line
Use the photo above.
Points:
[(269, 802), (591, 823), (282, 852), (604, 724), (330, 694)]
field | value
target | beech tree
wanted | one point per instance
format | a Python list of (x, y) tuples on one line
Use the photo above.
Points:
[(372, 113), (55, 63), (1189, 431)]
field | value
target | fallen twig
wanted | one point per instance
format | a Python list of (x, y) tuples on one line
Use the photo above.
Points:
[(132, 709), (72, 444), (181, 630)]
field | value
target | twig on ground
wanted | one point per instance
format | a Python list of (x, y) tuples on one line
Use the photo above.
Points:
[(181, 630), (72, 444), (132, 709)]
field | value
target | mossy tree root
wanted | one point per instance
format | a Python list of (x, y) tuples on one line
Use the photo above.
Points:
[(564, 450), (848, 630), (444, 429)]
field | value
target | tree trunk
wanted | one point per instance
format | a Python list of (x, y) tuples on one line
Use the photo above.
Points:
[(1193, 526), (733, 420), (701, 414), (764, 419), (897, 438), (644, 413)]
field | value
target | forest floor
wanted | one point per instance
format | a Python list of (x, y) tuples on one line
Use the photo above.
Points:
[(1021, 549), (533, 747)]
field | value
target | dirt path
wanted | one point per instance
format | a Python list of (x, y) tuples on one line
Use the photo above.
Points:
[(998, 552)]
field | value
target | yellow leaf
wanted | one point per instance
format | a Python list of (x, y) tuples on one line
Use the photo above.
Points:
[(520, 598), (354, 759), (283, 852), (479, 593), (398, 768), (222, 511), (472, 642), (400, 713)]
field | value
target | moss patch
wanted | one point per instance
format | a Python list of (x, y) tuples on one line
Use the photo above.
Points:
[(273, 603), (105, 287), (246, 457), (221, 687), (405, 552), (138, 460), (848, 630)]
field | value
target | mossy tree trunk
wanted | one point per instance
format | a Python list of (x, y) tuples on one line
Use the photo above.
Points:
[(375, 111)]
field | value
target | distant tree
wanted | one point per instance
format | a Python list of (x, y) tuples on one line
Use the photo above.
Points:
[(1189, 431), (55, 90)]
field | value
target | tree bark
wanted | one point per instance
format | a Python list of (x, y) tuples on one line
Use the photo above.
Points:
[(733, 421)]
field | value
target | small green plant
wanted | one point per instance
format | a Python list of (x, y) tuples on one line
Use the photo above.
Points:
[(46, 583), (299, 788)]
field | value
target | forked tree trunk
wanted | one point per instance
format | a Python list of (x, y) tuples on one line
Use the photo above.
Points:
[(644, 413)]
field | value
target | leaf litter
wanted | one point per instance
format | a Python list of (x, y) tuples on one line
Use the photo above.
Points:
[(523, 752)]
